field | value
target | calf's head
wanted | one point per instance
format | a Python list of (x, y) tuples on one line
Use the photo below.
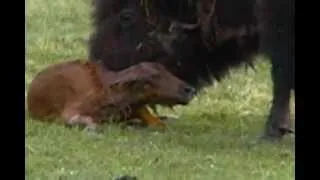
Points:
[(151, 83)]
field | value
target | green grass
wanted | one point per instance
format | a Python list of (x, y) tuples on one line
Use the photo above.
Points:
[(214, 137)]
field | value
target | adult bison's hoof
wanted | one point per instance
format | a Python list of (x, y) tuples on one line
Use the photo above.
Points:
[(276, 134), (287, 130)]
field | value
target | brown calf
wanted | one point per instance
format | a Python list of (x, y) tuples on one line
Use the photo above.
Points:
[(84, 93)]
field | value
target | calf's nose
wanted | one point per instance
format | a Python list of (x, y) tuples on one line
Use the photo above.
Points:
[(190, 90)]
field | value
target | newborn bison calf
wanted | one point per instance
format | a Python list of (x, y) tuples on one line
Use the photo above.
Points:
[(85, 93)]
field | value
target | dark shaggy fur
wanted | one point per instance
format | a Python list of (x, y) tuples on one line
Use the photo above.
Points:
[(120, 39), (241, 28), (237, 39), (117, 34), (192, 61)]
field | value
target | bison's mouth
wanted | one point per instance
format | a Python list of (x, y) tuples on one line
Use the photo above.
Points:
[(184, 100), (175, 100), (183, 97), (168, 101)]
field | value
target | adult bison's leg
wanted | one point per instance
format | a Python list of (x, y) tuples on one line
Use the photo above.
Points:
[(278, 123), (277, 41)]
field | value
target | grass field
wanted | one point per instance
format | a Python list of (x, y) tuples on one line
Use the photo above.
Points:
[(214, 137)]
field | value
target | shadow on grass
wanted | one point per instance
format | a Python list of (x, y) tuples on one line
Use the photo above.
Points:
[(225, 132)]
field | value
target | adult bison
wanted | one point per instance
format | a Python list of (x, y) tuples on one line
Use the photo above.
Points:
[(228, 36)]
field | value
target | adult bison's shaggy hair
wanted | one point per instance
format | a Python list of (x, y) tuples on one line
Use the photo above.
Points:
[(226, 37)]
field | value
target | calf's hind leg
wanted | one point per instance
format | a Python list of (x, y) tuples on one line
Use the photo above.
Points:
[(73, 118)]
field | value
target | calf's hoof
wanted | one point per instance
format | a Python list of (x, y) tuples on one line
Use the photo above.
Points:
[(93, 130)]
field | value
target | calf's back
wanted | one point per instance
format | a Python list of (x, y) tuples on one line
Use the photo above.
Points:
[(59, 86)]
